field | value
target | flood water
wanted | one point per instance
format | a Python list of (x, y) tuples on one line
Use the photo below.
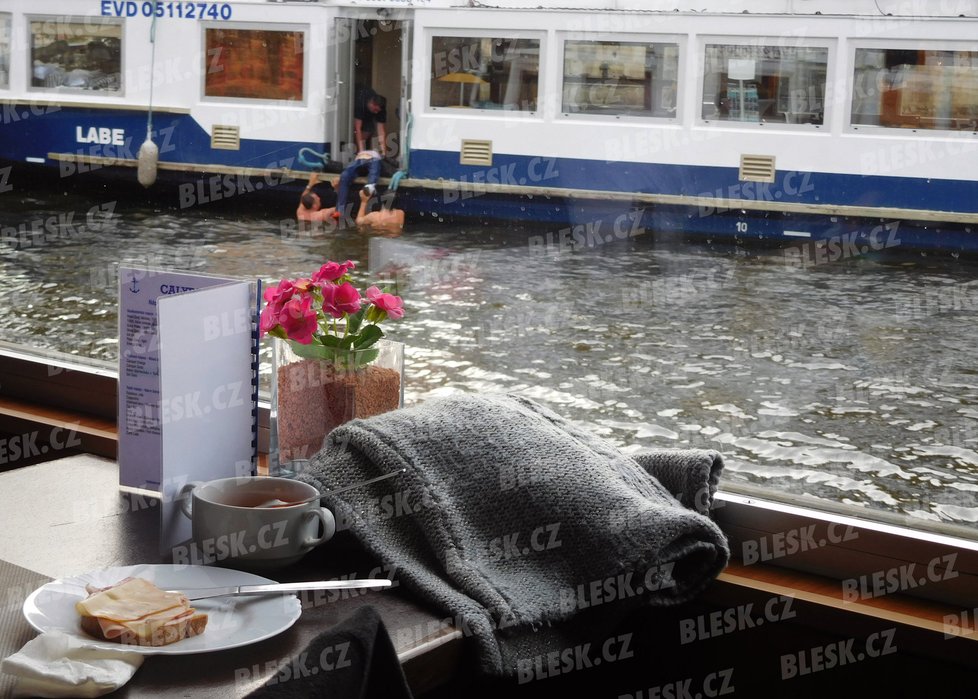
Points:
[(853, 381)]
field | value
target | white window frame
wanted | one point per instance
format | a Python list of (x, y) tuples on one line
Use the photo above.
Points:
[(6, 31), (70, 19), (897, 45), (254, 26), (680, 40), (542, 66), (831, 76)]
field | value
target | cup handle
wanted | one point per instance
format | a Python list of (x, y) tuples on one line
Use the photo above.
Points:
[(325, 517), (185, 497)]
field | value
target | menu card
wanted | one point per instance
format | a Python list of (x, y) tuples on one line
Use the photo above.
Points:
[(208, 394), (188, 384)]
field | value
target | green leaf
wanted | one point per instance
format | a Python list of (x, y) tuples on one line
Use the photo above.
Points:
[(366, 357), (342, 358), (375, 315), (312, 351), (353, 321), (368, 336), (329, 340)]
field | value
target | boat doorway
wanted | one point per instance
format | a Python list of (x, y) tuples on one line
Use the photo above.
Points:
[(371, 53)]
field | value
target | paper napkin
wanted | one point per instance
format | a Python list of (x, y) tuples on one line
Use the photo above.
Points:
[(55, 664)]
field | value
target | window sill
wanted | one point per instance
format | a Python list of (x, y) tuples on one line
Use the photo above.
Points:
[(865, 559), (814, 555), (921, 614)]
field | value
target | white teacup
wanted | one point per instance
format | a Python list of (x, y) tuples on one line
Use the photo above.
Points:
[(248, 522)]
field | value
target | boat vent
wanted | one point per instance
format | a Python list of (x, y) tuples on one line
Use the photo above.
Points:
[(225, 137), (757, 168), (476, 153)]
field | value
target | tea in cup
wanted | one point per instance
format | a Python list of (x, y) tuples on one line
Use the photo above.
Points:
[(255, 522)]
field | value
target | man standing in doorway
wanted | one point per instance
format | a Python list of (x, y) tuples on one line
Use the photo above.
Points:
[(370, 119)]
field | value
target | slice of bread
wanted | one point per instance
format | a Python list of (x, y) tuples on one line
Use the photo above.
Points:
[(136, 612), (163, 635)]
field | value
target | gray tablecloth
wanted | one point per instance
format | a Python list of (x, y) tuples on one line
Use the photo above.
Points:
[(16, 584)]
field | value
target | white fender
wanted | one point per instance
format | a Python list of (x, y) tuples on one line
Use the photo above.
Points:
[(148, 157)]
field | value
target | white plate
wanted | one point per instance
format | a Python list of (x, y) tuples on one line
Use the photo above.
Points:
[(231, 621)]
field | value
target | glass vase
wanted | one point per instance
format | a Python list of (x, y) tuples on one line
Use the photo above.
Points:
[(310, 397)]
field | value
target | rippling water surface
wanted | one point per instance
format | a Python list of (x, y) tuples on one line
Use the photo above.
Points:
[(853, 381)]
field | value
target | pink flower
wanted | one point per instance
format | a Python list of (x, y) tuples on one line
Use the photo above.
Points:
[(269, 319), (275, 298), (303, 286), (299, 310), (331, 271), (392, 305), (338, 300), (278, 295), (298, 320)]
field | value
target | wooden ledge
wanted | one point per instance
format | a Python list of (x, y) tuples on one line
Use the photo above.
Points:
[(429, 663), (900, 609), (53, 417)]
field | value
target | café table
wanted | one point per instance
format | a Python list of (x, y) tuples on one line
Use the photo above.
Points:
[(68, 517)]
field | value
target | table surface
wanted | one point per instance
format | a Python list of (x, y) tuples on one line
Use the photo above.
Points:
[(67, 517)]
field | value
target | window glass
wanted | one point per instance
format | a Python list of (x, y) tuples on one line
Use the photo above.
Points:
[(69, 54), (783, 84), (823, 393), (616, 77), (911, 89), (4, 51), (484, 73), (254, 64)]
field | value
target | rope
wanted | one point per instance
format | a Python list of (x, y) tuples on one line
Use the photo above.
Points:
[(152, 66), (147, 161), (310, 163), (403, 172)]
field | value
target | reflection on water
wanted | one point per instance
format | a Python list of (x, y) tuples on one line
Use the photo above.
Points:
[(852, 381)]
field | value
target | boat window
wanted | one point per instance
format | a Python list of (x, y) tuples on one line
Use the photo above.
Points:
[(784, 84), (915, 89), (70, 54), (484, 73), (620, 78), (254, 64), (4, 51)]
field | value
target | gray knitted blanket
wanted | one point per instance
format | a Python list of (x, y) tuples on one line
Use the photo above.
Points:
[(527, 532)]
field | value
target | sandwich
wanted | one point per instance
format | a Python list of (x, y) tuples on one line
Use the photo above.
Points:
[(136, 612)]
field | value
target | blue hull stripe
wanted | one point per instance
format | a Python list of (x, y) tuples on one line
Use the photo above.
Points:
[(178, 136), (699, 181)]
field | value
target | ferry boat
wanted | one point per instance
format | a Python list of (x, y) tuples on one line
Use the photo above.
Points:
[(849, 125)]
